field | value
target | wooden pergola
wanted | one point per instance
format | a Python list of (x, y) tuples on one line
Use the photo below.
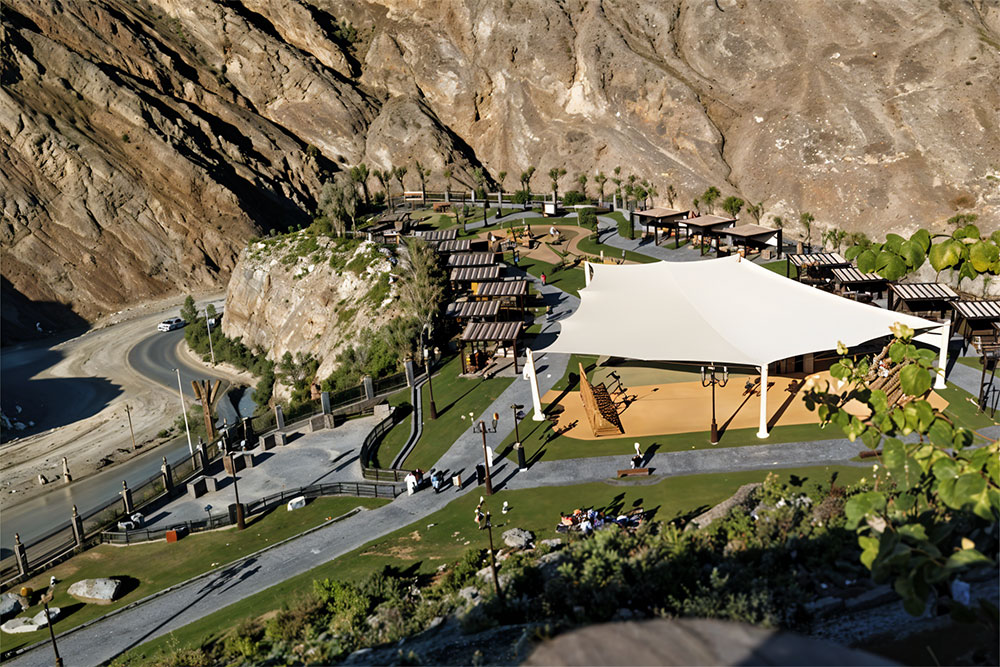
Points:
[(469, 277), (472, 259), (851, 279), (820, 262), (979, 319), (507, 292), (704, 225), (659, 218), (456, 245), (435, 236), (921, 297), (749, 237), (479, 335), (472, 311)]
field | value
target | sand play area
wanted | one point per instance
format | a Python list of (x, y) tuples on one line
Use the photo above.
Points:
[(679, 404)]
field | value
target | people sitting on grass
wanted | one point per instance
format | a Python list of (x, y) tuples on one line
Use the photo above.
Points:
[(590, 520)]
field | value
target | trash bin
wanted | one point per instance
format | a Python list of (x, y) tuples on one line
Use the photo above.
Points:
[(480, 474)]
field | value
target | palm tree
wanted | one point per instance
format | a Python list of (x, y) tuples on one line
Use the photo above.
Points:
[(502, 176), (778, 221), (617, 181), (447, 184), (710, 195), (479, 176), (806, 218), (398, 174), (385, 177), (732, 206), (554, 174), (422, 174), (600, 179), (526, 178), (695, 205), (756, 210), (359, 175), (671, 195), (582, 180), (653, 194)]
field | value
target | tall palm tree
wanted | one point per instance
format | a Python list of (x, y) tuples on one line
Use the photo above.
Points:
[(360, 175), (384, 177), (671, 195), (600, 179), (732, 206), (479, 176), (398, 174), (582, 180), (710, 195), (554, 174), (778, 221), (447, 184), (756, 210), (806, 218), (502, 176), (422, 174)]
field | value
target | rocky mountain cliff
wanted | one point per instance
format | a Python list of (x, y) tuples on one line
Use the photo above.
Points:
[(146, 140)]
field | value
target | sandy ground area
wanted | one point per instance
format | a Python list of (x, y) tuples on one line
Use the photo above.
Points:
[(686, 407), (102, 439), (571, 235)]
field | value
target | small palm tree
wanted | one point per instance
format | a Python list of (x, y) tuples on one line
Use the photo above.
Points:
[(554, 174), (479, 176), (600, 179), (398, 174), (710, 195), (732, 206), (778, 221), (582, 180), (671, 195), (384, 177), (806, 218), (756, 210), (360, 175), (447, 184), (696, 205), (422, 174)]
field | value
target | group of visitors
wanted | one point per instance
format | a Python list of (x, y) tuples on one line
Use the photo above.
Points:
[(415, 480), (589, 520)]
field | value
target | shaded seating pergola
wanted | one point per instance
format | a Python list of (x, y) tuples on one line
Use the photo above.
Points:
[(704, 225), (435, 236), (510, 293), (849, 278), (659, 218), (480, 335), (456, 245), (817, 264), (469, 277), (749, 237), (391, 225), (472, 311), (472, 259), (921, 297), (977, 320)]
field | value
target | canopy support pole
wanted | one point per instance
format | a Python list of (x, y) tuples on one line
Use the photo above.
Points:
[(762, 431), (943, 360), (586, 274), (529, 375)]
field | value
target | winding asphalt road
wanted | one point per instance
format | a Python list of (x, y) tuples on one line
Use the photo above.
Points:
[(155, 357)]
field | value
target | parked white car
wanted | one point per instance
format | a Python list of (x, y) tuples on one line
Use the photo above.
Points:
[(171, 324)]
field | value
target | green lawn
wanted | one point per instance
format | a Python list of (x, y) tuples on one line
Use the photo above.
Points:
[(590, 245), (148, 568), (971, 362), (454, 397), (962, 409), (444, 536), (568, 280), (393, 441), (781, 267)]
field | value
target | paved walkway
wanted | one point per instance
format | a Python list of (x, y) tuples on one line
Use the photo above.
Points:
[(195, 599)]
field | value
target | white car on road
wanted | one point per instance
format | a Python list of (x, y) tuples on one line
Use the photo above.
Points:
[(171, 324)]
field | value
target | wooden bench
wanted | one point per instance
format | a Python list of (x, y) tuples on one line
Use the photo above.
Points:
[(633, 472)]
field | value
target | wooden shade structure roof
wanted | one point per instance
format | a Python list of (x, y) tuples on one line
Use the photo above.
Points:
[(503, 333), (921, 297), (475, 274), (437, 235), (978, 310), (749, 231), (472, 309), (749, 236), (456, 245), (472, 259), (657, 214), (516, 287), (704, 222), (848, 275), (825, 259)]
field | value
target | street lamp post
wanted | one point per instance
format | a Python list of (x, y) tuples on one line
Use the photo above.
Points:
[(521, 463), (493, 566), (430, 386), (187, 429), (46, 599), (481, 428), (208, 323), (240, 520), (707, 380), (130, 430)]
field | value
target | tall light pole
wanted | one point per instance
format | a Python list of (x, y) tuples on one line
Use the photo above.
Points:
[(521, 463), (240, 520), (481, 428), (493, 567), (710, 380), (46, 599), (430, 387), (129, 415), (187, 429), (208, 323)]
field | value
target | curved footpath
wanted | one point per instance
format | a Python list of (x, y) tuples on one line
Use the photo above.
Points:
[(168, 611)]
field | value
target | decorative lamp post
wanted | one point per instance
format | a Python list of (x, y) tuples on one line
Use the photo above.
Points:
[(710, 379), (187, 429), (47, 598), (240, 519), (521, 463), (482, 428), (430, 387), (493, 567)]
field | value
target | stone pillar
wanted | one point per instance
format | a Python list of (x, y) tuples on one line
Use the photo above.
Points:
[(939, 383), (20, 555), (168, 476), (248, 429), (762, 431), (408, 368), (77, 522), (324, 399), (369, 387), (67, 478), (202, 457), (127, 498), (279, 417)]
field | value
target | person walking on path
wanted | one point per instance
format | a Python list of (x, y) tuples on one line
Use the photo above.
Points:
[(543, 279)]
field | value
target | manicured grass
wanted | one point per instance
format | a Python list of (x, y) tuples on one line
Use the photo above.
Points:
[(148, 568), (568, 280), (589, 245), (445, 535), (781, 267), (454, 397), (962, 409), (971, 362), (393, 441), (616, 216)]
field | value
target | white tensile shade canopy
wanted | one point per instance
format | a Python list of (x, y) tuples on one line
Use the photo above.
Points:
[(720, 311)]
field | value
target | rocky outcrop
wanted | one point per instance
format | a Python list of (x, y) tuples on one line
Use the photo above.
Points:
[(146, 142), (11, 605), (288, 295), (95, 591)]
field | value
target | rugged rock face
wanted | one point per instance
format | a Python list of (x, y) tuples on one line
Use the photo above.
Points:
[(146, 141), (285, 295)]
